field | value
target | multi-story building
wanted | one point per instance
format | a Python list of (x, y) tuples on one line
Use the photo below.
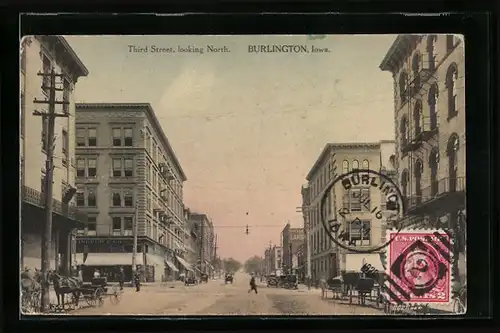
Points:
[(127, 173), (302, 261), (193, 243), (206, 242), (429, 112), (291, 239), (328, 259), (41, 54)]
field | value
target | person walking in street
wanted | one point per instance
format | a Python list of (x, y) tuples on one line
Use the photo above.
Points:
[(253, 285), (137, 281), (121, 277)]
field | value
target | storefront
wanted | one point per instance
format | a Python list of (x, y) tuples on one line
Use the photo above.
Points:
[(185, 268)]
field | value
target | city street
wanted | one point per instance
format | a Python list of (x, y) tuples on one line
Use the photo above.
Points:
[(217, 298)]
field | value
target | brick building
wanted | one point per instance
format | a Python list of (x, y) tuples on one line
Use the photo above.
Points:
[(429, 112), (127, 173), (40, 54), (291, 239)]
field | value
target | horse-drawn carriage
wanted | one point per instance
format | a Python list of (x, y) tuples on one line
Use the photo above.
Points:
[(290, 281)]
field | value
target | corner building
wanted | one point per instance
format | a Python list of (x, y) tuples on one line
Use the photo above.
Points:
[(127, 173), (41, 54), (328, 259), (429, 112)]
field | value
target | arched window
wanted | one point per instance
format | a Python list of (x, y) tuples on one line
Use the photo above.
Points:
[(404, 182), (431, 42), (366, 165), (451, 86), (434, 165), (452, 149), (403, 130), (417, 118), (355, 165), (415, 68), (418, 169), (433, 106), (345, 166), (403, 81)]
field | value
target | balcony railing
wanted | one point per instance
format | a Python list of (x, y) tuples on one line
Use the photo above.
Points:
[(37, 198), (437, 189)]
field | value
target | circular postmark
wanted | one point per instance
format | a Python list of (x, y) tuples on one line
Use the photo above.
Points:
[(351, 225)]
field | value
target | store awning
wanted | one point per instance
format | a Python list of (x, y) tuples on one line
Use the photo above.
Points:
[(209, 264), (354, 261), (153, 260), (171, 265), (180, 246), (109, 259), (184, 263)]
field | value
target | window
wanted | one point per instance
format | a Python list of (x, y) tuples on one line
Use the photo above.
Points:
[(22, 105), (80, 167), (345, 166), (129, 167), (92, 167), (86, 197), (117, 226), (122, 198), (403, 81), (451, 86), (357, 200), (45, 125), (122, 137), (91, 225), (128, 225), (117, 167), (403, 130), (431, 40), (417, 118), (65, 147), (366, 165), (433, 106), (148, 172), (47, 67), (86, 137), (355, 165), (415, 67), (360, 232), (66, 91), (86, 167)]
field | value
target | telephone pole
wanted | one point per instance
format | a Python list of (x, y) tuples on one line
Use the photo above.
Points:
[(215, 256), (50, 118), (202, 244)]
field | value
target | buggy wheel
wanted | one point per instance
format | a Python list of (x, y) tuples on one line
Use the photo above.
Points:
[(116, 294), (99, 297), (36, 300), (89, 298), (26, 306)]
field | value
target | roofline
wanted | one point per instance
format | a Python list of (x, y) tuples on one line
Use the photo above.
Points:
[(384, 65), (150, 112), (330, 146), (74, 56)]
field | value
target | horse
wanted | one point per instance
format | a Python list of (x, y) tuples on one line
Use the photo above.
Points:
[(66, 285)]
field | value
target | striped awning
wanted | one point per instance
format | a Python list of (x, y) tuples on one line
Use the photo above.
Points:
[(184, 263), (171, 265)]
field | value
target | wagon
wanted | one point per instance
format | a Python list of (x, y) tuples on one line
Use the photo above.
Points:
[(94, 292)]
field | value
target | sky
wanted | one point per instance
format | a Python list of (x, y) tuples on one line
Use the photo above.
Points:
[(247, 127)]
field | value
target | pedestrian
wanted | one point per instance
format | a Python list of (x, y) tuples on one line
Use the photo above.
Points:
[(253, 285), (121, 277), (137, 281), (96, 273)]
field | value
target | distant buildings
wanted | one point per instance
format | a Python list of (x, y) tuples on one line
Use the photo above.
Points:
[(273, 259), (204, 230), (429, 112), (328, 259), (127, 173), (292, 238), (41, 54)]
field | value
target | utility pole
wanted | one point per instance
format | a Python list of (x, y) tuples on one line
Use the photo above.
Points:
[(202, 245), (50, 118), (134, 244), (215, 256), (305, 213)]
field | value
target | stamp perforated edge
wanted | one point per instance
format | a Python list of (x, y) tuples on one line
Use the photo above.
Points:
[(429, 231)]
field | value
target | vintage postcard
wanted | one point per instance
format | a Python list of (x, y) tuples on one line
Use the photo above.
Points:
[(272, 175)]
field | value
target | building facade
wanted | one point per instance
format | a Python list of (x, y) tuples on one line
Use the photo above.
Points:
[(328, 259), (292, 238), (127, 173), (41, 54), (429, 113), (206, 242)]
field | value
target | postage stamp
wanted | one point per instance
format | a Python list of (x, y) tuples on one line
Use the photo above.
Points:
[(419, 267)]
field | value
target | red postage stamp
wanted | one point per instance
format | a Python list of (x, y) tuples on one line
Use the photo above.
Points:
[(419, 267)]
